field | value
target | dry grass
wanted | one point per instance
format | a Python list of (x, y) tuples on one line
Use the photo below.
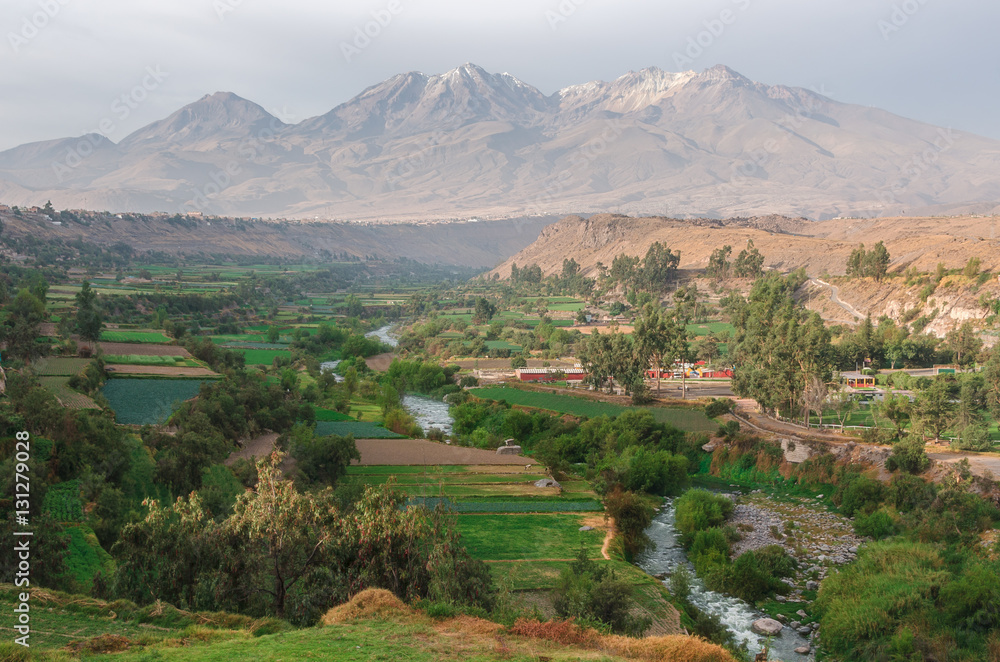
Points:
[(469, 625), (370, 603), (105, 643), (676, 648)]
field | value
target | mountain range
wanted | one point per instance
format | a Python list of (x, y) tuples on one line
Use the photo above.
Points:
[(471, 143)]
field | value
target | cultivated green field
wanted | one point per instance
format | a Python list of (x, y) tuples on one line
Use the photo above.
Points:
[(59, 366), (135, 336), (530, 536), (59, 387), (263, 356), (689, 420), (147, 401)]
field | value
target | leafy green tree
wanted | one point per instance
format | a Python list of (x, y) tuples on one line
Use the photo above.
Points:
[(876, 262), (749, 263), (273, 334), (707, 349), (24, 316), (624, 270), (659, 268), (992, 382), (88, 317), (719, 265), (322, 460), (353, 306), (484, 311), (964, 343), (856, 262), (658, 338), (934, 408), (896, 409), (779, 348)]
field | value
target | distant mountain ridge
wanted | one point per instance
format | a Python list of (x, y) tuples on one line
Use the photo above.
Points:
[(473, 143)]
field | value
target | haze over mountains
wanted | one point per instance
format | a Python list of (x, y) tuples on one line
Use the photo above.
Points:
[(472, 143)]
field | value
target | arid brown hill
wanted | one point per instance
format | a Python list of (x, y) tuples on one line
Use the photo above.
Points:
[(786, 243)]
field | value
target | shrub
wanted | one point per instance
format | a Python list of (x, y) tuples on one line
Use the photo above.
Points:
[(757, 574), (729, 429), (908, 455), (718, 407), (709, 550), (859, 494), (632, 517), (877, 525), (698, 510), (594, 593), (973, 599), (974, 438), (680, 583)]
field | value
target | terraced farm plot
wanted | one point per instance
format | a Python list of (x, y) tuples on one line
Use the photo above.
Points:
[(689, 420), (127, 349), (424, 452), (263, 356), (154, 337), (360, 430), (478, 489), (147, 401), (179, 371), (67, 397), (59, 366), (145, 359), (528, 537)]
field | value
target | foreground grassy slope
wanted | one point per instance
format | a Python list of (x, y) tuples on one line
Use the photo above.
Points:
[(373, 626)]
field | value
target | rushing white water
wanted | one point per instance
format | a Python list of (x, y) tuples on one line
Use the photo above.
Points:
[(430, 413), (331, 366), (735, 614), (382, 333)]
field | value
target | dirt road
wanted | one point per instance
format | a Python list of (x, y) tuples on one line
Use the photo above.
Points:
[(834, 291)]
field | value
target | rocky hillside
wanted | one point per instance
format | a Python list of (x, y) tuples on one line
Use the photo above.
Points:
[(956, 300)]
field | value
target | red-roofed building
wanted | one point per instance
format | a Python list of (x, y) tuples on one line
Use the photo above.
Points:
[(550, 374)]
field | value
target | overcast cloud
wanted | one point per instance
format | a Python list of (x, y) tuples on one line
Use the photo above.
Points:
[(931, 60)]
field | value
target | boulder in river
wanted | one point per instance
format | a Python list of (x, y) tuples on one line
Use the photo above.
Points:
[(766, 626)]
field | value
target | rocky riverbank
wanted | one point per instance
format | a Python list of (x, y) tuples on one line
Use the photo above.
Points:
[(818, 539)]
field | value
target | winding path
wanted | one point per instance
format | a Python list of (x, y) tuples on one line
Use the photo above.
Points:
[(834, 290)]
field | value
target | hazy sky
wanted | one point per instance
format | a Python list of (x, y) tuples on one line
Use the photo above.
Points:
[(66, 64)]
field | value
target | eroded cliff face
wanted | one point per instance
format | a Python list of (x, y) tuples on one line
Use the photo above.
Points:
[(954, 301)]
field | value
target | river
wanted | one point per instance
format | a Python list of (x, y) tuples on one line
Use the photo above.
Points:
[(430, 413), (331, 366), (735, 614), (382, 333)]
